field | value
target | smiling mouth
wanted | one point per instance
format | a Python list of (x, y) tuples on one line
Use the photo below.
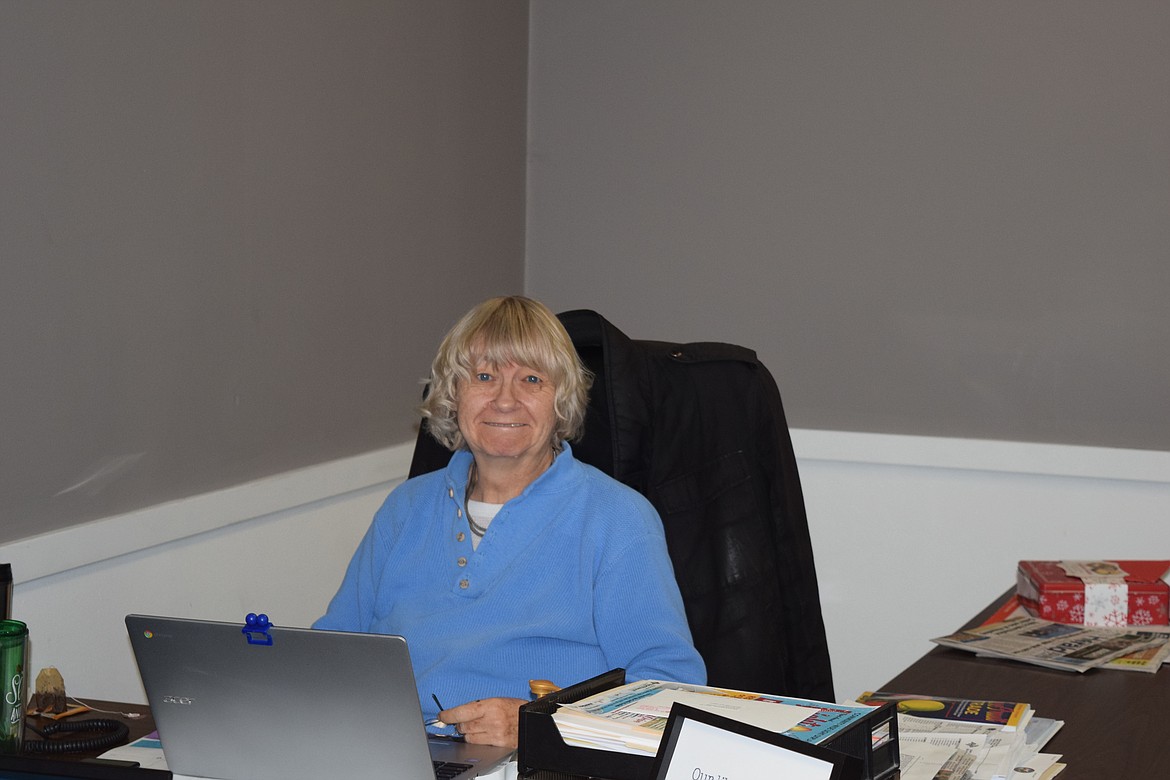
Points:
[(506, 425)]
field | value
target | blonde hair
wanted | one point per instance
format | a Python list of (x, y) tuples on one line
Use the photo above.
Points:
[(499, 331)]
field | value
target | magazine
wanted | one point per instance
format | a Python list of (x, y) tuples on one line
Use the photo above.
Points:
[(1008, 715), (631, 718)]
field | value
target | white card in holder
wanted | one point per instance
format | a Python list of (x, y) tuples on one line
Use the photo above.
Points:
[(699, 745)]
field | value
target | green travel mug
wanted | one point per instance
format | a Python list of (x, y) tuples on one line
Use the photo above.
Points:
[(13, 644)]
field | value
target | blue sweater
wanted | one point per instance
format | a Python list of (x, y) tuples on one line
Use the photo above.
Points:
[(572, 579)]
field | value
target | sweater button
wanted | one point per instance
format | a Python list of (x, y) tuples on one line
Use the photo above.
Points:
[(459, 537), (459, 513), (450, 493), (464, 584), (462, 561)]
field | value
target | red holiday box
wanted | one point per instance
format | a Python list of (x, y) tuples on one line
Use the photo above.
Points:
[(1096, 593)]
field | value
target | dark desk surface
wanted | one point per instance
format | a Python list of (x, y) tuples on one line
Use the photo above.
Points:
[(139, 727), (1114, 721)]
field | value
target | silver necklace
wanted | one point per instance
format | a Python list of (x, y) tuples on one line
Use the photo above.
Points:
[(472, 478)]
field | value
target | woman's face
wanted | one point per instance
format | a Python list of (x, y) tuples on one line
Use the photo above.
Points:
[(506, 412)]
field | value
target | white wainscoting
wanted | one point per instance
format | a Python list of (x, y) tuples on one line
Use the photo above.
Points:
[(277, 545), (913, 535)]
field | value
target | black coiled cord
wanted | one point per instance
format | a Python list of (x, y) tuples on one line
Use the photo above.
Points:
[(110, 732)]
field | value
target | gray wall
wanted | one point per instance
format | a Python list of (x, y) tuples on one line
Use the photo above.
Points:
[(928, 218), (231, 234)]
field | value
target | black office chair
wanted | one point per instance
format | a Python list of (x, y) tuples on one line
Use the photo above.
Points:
[(699, 429)]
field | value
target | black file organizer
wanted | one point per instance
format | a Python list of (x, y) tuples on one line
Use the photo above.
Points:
[(543, 755)]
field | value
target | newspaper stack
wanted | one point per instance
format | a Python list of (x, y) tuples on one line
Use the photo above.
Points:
[(975, 740), (1054, 645)]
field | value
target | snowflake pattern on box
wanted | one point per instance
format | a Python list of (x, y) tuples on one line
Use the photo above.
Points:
[(1142, 617), (1106, 604), (1049, 590)]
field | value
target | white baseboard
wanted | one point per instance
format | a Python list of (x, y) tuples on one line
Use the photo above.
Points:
[(1058, 460)]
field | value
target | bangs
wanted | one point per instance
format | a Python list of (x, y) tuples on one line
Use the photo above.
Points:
[(500, 354), (504, 340)]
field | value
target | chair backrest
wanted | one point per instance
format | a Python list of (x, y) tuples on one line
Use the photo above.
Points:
[(699, 429)]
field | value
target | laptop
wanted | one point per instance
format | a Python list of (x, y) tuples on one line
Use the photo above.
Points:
[(249, 701)]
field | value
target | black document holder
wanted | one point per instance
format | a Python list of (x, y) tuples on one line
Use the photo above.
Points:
[(834, 765), (543, 755)]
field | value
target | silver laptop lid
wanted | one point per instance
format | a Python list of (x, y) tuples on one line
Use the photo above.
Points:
[(250, 702)]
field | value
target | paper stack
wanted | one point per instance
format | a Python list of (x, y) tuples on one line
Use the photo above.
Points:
[(965, 738), (631, 718)]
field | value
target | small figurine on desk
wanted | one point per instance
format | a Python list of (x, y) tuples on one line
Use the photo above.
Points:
[(50, 693), (49, 699)]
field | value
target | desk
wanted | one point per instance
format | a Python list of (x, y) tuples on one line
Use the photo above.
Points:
[(41, 765), (1114, 721), (139, 727)]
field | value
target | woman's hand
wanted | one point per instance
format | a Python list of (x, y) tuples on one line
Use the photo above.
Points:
[(487, 721)]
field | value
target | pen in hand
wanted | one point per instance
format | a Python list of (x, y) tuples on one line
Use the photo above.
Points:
[(436, 721)]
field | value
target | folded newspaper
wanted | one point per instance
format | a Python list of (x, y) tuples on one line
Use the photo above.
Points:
[(1148, 660), (1053, 645)]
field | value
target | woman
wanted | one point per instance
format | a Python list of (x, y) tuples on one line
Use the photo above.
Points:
[(516, 561)]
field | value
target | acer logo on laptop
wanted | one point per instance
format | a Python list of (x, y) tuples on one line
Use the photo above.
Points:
[(177, 700)]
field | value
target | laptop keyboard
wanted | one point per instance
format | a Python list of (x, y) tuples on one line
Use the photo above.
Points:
[(448, 769)]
